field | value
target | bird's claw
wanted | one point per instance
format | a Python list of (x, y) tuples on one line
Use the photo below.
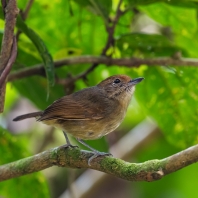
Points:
[(96, 154), (68, 145)]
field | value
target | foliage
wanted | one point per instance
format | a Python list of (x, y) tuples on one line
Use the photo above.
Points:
[(62, 29)]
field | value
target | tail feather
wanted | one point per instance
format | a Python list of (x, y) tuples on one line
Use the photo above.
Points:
[(29, 115)]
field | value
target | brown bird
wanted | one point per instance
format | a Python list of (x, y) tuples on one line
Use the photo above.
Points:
[(91, 112)]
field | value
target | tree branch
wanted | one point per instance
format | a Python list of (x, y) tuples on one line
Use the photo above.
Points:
[(6, 58), (124, 62), (11, 60), (75, 158)]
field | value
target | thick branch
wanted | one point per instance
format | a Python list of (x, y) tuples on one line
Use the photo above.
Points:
[(10, 11), (74, 158), (124, 62), (11, 60)]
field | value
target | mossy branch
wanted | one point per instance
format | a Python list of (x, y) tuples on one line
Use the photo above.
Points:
[(75, 158)]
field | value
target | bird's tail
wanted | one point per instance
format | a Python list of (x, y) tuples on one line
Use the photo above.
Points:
[(29, 115)]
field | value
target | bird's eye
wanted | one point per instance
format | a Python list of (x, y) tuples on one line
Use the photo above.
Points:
[(117, 81)]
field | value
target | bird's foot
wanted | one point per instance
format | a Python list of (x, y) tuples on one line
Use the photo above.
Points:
[(68, 145), (96, 154)]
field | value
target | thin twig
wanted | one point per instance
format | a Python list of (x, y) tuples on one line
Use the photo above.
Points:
[(24, 15), (109, 43), (4, 4), (27, 9), (123, 62)]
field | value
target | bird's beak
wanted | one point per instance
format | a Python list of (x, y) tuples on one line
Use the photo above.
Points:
[(136, 80)]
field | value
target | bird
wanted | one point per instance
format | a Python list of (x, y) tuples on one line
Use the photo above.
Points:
[(90, 113)]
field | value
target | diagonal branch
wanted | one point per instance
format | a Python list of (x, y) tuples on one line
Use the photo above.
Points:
[(110, 42), (124, 62), (75, 158)]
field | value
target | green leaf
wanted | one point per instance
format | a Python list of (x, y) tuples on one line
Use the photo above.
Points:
[(148, 45), (184, 4), (37, 93), (84, 3), (102, 7), (141, 2), (171, 99), (42, 49), (181, 3), (99, 7)]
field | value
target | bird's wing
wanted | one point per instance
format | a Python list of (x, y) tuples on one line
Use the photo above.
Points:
[(67, 108)]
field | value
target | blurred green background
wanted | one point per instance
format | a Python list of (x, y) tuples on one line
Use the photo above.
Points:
[(62, 29)]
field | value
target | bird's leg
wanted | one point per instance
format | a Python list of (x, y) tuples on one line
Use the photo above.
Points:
[(67, 139), (68, 143), (96, 153)]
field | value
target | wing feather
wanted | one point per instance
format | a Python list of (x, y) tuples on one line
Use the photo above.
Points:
[(76, 107)]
